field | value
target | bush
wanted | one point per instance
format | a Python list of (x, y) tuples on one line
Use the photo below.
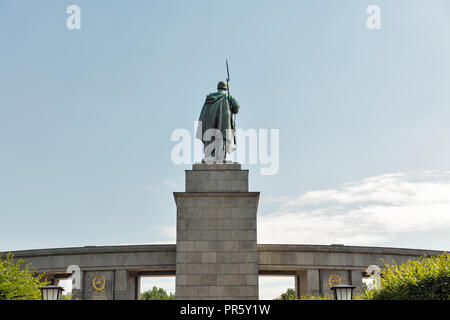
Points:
[(290, 295), (18, 281), (427, 278), (319, 297)]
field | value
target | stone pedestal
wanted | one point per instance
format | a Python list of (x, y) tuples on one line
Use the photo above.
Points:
[(216, 234)]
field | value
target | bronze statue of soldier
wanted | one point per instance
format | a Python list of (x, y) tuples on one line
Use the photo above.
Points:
[(216, 124)]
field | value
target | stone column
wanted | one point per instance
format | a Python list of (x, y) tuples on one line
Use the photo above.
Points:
[(125, 285), (356, 280), (297, 283), (216, 234), (308, 282)]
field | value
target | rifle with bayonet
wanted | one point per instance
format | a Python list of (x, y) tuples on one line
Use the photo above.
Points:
[(233, 116)]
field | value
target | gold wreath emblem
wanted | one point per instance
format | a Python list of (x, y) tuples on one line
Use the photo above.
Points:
[(98, 283), (334, 279)]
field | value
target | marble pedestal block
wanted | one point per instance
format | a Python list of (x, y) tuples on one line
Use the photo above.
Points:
[(216, 234)]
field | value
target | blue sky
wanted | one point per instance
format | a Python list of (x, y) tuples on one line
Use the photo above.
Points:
[(86, 117)]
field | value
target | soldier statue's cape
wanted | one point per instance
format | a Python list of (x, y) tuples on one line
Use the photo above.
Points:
[(217, 114)]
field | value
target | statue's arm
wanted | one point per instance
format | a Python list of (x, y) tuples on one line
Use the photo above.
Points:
[(234, 105)]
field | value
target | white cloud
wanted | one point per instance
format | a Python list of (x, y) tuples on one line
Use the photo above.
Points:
[(272, 287), (167, 183), (169, 232), (171, 183), (366, 212)]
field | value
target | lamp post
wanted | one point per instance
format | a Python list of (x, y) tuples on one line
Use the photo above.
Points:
[(343, 292), (51, 292)]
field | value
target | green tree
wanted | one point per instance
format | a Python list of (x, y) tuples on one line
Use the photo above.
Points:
[(18, 281), (288, 295), (157, 294), (427, 278)]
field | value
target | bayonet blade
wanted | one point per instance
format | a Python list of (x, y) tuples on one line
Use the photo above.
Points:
[(228, 71)]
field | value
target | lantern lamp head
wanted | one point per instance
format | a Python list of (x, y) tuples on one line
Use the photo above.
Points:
[(343, 292), (51, 292)]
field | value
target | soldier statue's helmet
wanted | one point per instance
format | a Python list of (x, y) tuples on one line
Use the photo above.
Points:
[(222, 85)]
